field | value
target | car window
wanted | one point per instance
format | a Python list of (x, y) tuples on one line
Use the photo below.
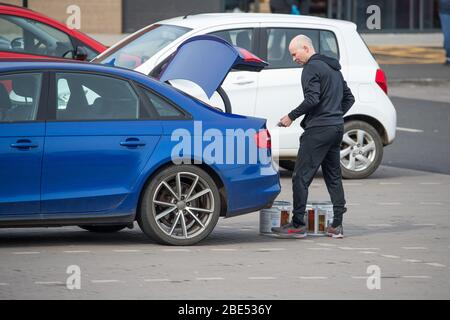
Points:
[(162, 107), (94, 97), (278, 40), (19, 96), (136, 51), (328, 44), (242, 38), (91, 54), (28, 36), (64, 94)]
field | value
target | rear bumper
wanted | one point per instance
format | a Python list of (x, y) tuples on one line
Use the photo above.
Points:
[(251, 188)]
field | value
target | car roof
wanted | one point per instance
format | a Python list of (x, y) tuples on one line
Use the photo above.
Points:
[(26, 64), (10, 9), (215, 19)]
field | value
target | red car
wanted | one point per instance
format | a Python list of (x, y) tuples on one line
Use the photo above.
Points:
[(25, 33)]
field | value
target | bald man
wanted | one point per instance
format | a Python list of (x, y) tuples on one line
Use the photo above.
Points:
[(326, 99)]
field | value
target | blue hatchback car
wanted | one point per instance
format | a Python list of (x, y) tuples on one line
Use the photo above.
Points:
[(101, 147)]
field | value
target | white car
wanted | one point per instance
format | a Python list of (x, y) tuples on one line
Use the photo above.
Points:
[(276, 90)]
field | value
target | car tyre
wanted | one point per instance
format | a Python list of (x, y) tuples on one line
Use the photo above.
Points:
[(180, 206), (361, 150), (287, 164)]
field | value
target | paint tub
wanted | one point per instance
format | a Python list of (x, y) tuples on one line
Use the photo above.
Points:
[(319, 215), (278, 215)]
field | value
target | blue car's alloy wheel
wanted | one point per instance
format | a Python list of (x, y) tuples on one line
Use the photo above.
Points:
[(180, 206)]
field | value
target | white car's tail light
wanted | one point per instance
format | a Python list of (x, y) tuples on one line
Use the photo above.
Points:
[(380, 79)]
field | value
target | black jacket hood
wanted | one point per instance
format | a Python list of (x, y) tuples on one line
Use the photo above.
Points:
[(333, 63)]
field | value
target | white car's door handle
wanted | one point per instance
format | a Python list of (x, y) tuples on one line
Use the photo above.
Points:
[(243, 81)]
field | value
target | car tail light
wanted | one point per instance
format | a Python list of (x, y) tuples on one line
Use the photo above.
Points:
[(262, 139), (380, 78), (248, 56)]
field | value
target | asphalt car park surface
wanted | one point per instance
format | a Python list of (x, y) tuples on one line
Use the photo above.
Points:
[(397, 220)]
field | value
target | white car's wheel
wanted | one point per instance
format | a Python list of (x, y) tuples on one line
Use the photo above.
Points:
[(361, 150)]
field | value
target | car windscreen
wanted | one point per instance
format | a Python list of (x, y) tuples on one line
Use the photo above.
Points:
[(142, 46)]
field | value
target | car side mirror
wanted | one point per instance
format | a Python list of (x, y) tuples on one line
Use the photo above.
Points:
[(80, 53)]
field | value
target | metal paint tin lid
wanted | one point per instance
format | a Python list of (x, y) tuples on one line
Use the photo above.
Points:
[(282, 205)]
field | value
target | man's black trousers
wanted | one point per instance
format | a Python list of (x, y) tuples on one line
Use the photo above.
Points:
[(319, 146)]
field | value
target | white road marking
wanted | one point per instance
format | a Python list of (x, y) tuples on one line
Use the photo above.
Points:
[(416, 277), (262, 278), (124, 251), (77, 251), (48, 282), (224, 250), (209, 279), (415, 248), (390, 183), (326, 244), (368, 252), (176, 250), (412, 260), (360, 277), (27, 252), (430, 183), (424, 224), (157, 280), (431, 203), (4, 284), (380, 225), (409, 130), (435, 264), (352, 184), (390, 256), (316, 184), (105, 281), (271, 249), (325, 249), (314, 278), (353, 204), (362, 249), (390, 203)]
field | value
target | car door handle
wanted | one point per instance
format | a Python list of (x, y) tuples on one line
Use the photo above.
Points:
[(243, 82), (24, 144), (132, 143)]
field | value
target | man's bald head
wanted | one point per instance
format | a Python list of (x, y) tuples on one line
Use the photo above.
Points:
[(301, 40), (301, 49)]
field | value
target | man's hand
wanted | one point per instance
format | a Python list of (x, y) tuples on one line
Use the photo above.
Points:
[(285, 122)]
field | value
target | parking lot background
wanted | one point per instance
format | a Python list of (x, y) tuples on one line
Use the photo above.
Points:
[(398, 220)]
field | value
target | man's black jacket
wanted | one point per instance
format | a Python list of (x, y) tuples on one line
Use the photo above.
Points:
[(327, 96)]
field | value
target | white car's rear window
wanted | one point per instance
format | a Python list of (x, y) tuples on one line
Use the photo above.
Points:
[(138, 49)]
